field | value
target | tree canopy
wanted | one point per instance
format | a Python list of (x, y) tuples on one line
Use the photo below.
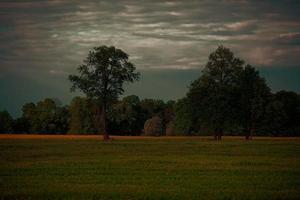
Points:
[(216, 88), (230, 97), (102, 76)]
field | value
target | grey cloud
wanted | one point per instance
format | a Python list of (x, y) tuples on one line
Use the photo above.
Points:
[(44, 40), (48, 33)]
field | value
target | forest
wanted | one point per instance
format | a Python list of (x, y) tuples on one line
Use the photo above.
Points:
[(229, 98)]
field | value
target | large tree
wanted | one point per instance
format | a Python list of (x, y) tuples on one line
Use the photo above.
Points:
[(212, 95), (102, 76), (254, 96)]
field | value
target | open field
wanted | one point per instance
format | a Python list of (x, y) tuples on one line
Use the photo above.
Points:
[(84, 167)]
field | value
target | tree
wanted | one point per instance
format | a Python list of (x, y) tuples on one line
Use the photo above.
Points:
[(254, 96), (45, 113), (212, 95), (153, 126), (291, 106), (47, 116), (169, 112), (101, 77), (6, 122), (30, 115), (21, 125), (125, 116), (84, 116), (152, 107), (275, 117), (61, 119), (183, 116)]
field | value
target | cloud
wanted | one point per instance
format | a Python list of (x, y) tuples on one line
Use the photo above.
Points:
[(270, 56), (292, 38), (44, 40), (160, 32)]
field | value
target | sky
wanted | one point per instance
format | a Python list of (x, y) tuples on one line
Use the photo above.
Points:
[(43, 41)]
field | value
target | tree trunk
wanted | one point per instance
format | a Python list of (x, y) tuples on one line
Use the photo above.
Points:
[(104, 122)]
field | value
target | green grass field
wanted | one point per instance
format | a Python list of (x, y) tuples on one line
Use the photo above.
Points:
[(160, 168)]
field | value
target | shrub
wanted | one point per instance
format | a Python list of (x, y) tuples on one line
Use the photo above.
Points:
[(153, 127)]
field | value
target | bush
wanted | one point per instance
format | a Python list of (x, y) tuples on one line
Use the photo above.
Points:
[(153, 127)]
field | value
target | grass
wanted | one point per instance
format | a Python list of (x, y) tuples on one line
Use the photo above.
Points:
[(146, 168)]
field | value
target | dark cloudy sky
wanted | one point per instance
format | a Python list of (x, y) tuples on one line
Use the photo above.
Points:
[(43, 41)]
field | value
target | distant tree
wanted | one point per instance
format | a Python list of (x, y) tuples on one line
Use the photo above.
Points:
[(102, 76), (126, 117), (275, 117), (45, 117), (212, 95), (21, 125), (78, 112), (6, 122), (152, 107), (30, 115), (45, 111), (84, 116), (254, 96), (183, 121), (291, 107), (169, 111), (153, 127), (61, 119)]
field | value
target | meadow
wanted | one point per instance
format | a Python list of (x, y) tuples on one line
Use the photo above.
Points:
[(71, 167)]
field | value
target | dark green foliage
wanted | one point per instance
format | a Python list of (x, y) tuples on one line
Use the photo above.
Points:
[(230, 97), (102, 76), (84, 116), (291, 108), (6, 122), (126, 117), (29, 113), (21, 125), (152, 107), (169, 112), (253, 96), (274, 118), (183, 117), (46, 117), (103, 73), (282, 115), (212, 96)]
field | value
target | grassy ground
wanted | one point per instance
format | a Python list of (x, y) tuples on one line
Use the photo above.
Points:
[(147, 168)]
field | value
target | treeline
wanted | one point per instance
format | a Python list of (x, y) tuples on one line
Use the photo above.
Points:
[(82, 116), (132, 116), (229, 98)]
